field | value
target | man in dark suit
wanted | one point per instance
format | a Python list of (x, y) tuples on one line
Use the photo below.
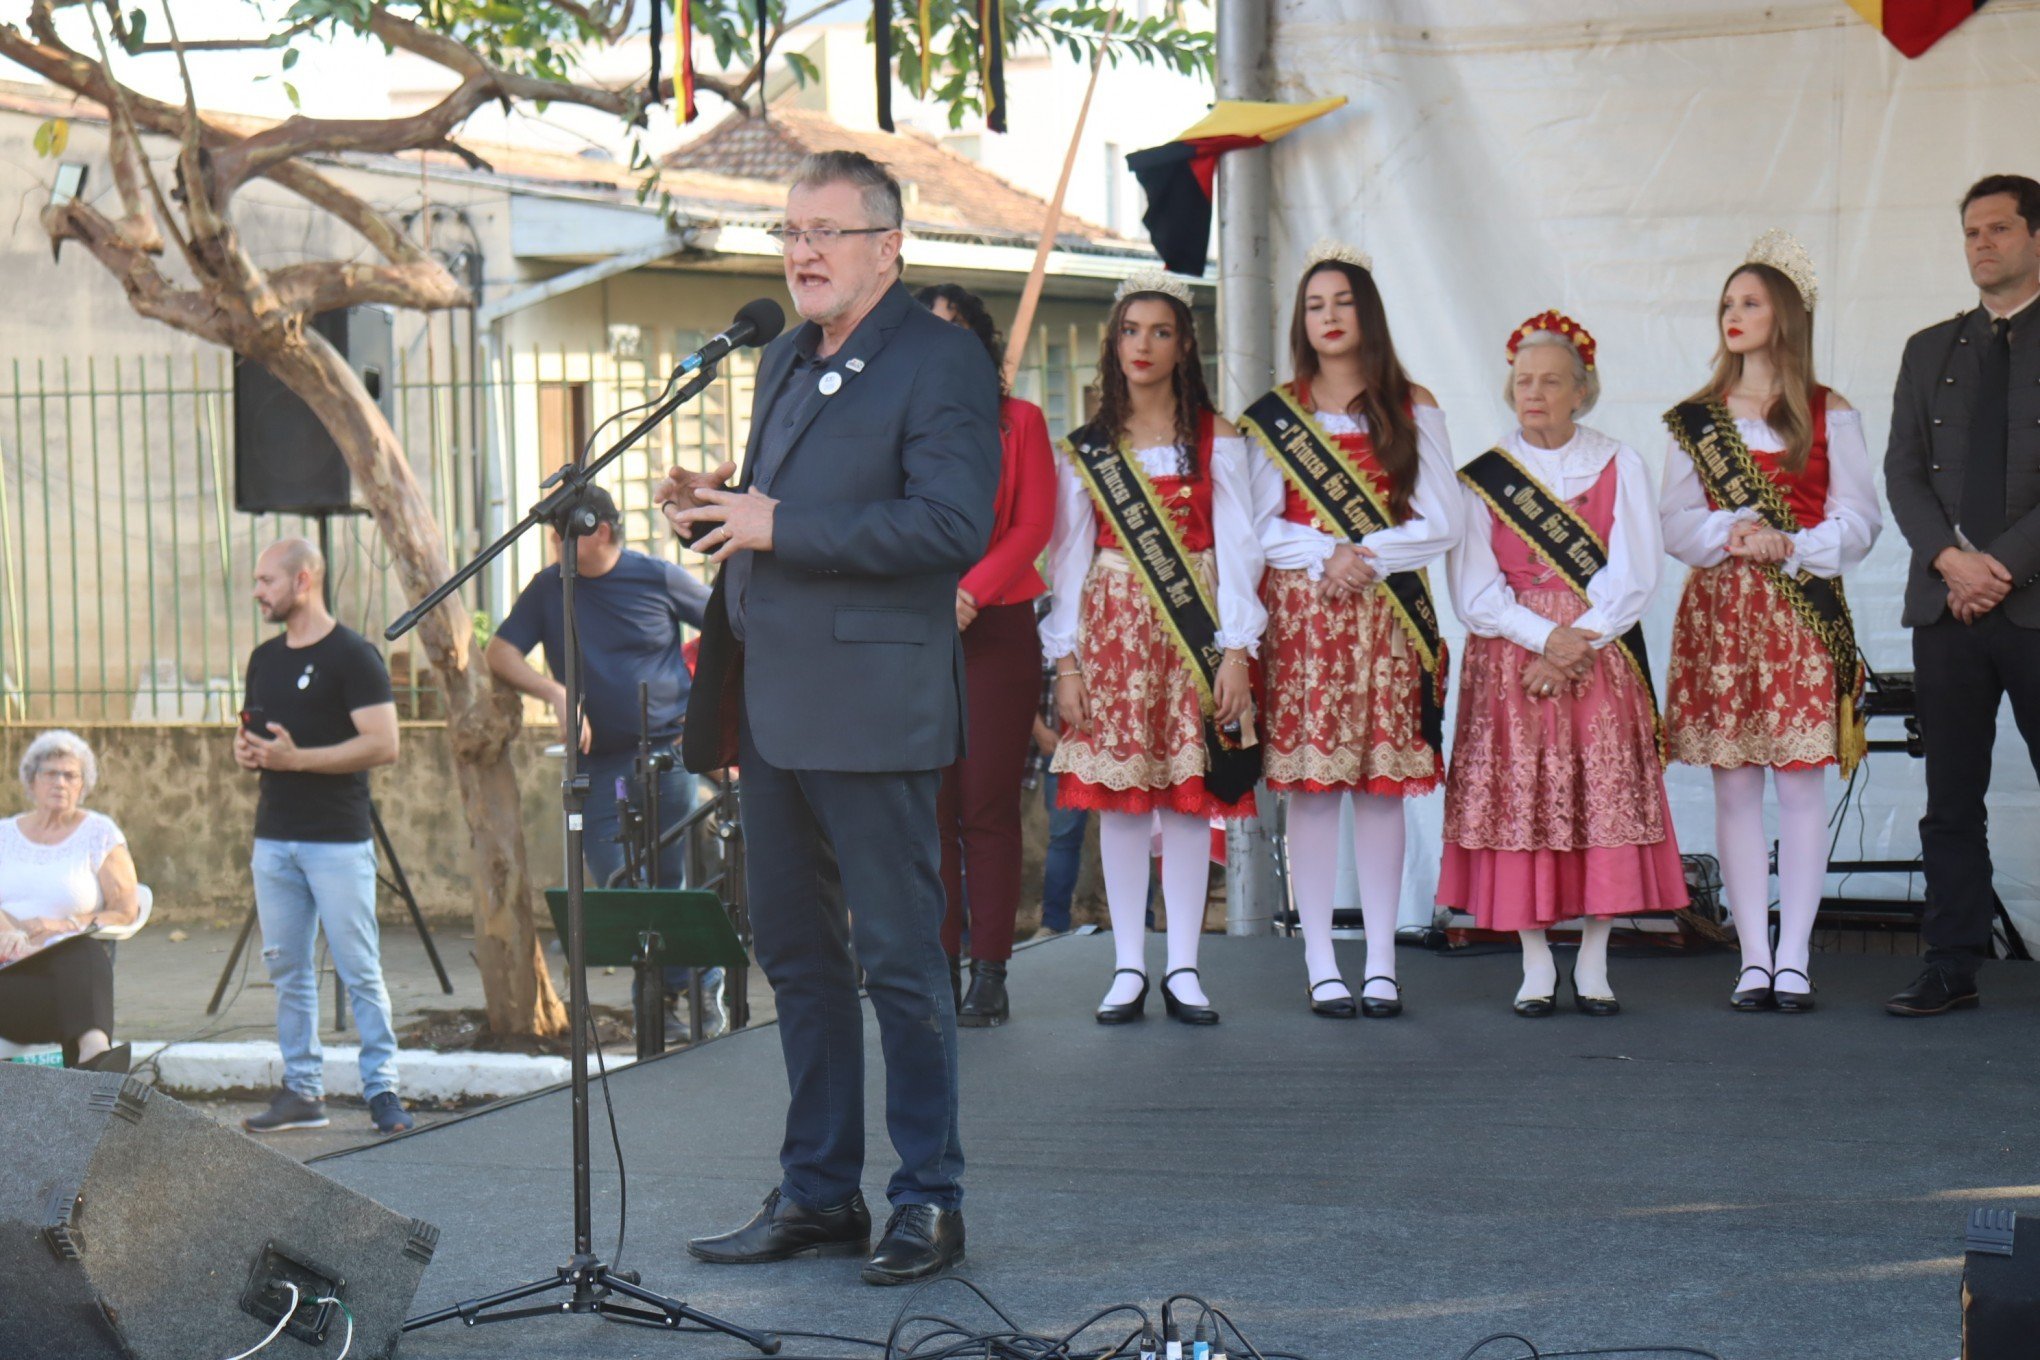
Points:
[(831, 673), (1963, 474)]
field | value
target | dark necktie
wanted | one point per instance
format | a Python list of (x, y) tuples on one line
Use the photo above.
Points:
[(1983, 476)]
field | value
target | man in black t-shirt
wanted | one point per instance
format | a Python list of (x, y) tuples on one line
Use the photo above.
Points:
[(628, 607), (318, 718)]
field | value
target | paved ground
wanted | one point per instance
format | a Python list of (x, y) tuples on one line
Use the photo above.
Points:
[(163, 979)]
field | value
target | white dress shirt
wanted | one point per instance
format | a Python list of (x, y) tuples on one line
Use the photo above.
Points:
[(1073, 543), (1618, 593), (1697, 534), (1416, 542)]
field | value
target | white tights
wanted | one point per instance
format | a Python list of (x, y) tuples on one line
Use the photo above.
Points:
[(1313, 830), (1745, 872), (1123, 844), (1590, 969)]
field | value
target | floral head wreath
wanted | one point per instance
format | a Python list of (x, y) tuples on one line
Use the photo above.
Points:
[(1152, 281), (1327, 249), (1558, 323), (1782, 251)]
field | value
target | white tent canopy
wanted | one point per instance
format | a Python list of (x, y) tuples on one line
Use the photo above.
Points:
[(1614, 159)]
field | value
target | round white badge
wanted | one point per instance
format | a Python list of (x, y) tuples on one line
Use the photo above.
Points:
[(832, 382)]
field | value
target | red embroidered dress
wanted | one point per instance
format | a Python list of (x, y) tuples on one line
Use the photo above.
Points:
[(1750, 683), (1344, 690), (1143, 748)]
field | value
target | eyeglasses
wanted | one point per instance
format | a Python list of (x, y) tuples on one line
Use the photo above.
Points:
[(821, 238)]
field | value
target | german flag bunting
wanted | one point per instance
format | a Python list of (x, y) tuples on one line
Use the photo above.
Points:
[(684, 111), (1913, 26), (1177, 176), (927, 42), (992, 41), (881, 43)]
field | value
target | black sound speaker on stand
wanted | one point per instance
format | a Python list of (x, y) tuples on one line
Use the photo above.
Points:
[(133, 1227), (284, 461)]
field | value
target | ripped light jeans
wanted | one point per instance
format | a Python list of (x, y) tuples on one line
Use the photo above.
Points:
[(302, 887)]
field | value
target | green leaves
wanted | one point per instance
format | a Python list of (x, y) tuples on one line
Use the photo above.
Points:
[(52, 137)]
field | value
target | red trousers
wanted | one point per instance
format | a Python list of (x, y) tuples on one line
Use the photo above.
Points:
[(978, 814)]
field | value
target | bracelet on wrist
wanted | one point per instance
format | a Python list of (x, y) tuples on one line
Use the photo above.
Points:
[(1069, 675)]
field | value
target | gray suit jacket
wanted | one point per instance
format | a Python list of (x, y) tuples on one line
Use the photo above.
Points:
[(851, 659), (1924, 462)]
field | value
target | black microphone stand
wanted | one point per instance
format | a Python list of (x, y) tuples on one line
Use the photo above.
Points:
[(590, 1282)]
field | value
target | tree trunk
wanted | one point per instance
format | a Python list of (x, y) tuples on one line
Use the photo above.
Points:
[(482, 717)]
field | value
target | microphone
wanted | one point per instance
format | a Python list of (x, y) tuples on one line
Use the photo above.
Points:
[(757, 323)]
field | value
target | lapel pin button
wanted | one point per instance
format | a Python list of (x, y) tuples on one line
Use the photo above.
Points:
[(855, 365), (831, 383)]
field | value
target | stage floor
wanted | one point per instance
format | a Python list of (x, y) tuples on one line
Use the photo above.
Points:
[(1767, 1187)]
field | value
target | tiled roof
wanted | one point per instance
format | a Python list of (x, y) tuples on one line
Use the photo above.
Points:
[(945, 191)]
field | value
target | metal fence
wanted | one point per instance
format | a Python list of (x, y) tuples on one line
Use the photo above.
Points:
[(125, 569)]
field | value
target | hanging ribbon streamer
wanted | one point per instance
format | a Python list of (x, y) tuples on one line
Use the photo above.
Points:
[(658, 40), (763, 20), (881, 43), (992, 38), (927, 43), (684, 111)]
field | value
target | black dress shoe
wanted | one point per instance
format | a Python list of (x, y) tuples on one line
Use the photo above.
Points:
[(1752, 998), (1535, 1007), (1378, 1008), (986, 1005), (1793, 1003), (1332, 1007), (920, 1242), (1188, 1014), (1126, 1011), (1937, 991), (1593, 1005), (783, 1230), (956, 982), (118, 1058)]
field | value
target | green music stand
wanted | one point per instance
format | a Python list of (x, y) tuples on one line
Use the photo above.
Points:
[(647, 930)]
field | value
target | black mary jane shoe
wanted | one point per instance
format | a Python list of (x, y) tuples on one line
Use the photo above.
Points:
[(1536, 1007), (1752, 998), (783, 1230), (1127, 1011), (1182, 1010), (1593, 1005), (920, 1242), (1794, 1003), (1332, 1008), (1378, 1008)]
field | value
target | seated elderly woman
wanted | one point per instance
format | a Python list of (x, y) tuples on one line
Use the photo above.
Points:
[(64, 871)]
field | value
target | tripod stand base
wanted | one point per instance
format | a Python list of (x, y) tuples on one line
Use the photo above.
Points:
[(593, 1287)]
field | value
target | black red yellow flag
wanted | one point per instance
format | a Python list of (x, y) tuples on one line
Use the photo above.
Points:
[(1177, 176), (1913, 26)]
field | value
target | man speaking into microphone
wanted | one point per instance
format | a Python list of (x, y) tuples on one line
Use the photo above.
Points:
[(831, 673)]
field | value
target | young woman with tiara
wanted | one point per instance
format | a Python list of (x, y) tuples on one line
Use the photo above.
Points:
[(1555, 803), (1354, 495), (1769, 497), (1151, 645)]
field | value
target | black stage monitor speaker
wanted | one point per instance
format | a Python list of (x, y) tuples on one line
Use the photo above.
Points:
[(2000, 1288), (283, 458), (133, 1227)]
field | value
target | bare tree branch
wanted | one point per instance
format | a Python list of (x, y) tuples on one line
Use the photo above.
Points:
[(131, 169), (383, 235), (148, 291), (323, 287)]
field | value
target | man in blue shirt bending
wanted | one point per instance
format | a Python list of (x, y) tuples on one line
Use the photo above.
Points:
[(629, 607)]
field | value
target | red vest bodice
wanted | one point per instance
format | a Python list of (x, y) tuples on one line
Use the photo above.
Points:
[(1188, 500), (1358, 447), (1807, 490)]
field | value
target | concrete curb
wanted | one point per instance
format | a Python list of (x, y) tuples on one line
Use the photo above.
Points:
[(209, 1069)]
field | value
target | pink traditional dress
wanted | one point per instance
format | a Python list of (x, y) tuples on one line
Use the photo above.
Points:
[(1751, 683), (1555, 808), (1144, 747), (1344, 690)]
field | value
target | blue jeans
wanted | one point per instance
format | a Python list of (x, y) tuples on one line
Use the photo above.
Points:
[(1064, 860), (599, 849), (301, 888)]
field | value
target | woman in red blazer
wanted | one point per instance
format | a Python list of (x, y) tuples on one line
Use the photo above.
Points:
[(979, 812)]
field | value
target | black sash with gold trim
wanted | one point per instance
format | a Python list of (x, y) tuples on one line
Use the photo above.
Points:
[(1734, 481), (1120, 488), (1344, 497), (1564, 541)]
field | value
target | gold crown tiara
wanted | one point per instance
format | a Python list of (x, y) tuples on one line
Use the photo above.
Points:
[(1782, 251), (1153, 281), (1327, 249)]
